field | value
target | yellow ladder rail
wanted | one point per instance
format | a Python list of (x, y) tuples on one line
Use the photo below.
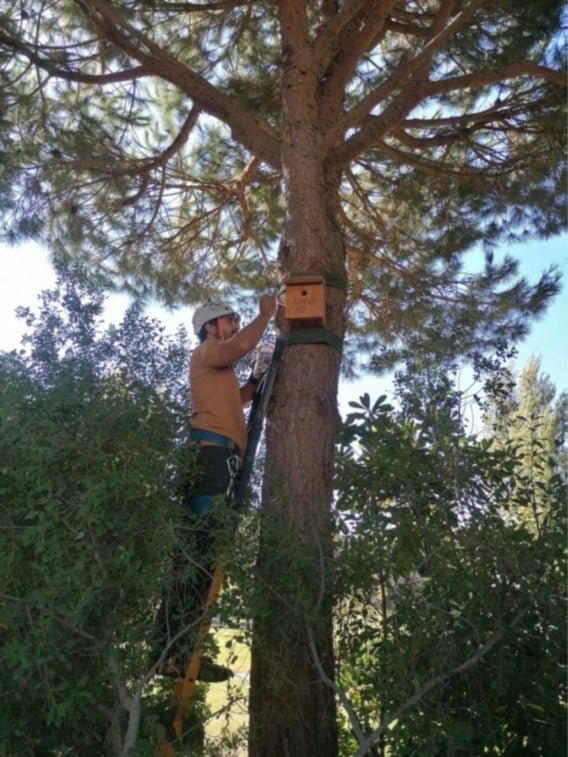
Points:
[(184, 688)]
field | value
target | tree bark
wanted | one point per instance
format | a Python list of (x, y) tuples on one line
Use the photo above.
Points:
[(292, 711)]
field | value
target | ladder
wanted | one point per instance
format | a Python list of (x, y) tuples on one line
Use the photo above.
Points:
[(255, 424), (184, 688)]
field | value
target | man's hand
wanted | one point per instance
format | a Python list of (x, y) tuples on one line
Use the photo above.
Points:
[(262, 361), (267, 305)]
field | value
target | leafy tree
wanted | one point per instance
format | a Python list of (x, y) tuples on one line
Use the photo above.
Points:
[(89, 420), (171, 144), (528, 417), (450, 634)]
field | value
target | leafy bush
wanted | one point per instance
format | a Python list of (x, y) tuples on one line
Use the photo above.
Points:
[(90, 423), (450, 626)]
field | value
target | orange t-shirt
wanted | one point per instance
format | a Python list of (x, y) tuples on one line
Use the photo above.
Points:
[(216, 403)]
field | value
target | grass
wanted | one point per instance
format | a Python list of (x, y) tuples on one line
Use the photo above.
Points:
[(228, 702)]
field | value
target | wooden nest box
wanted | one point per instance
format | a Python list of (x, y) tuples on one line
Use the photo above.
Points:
[(305, 301)]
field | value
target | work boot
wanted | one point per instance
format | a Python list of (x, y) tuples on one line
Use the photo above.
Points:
[(210, 672)]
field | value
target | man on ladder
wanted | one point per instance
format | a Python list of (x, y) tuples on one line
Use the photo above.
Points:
[(220, 433)]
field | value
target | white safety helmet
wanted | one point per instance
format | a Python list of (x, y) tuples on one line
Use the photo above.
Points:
[(208, 312)]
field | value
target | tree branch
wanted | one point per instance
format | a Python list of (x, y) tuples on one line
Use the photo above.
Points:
[(144, 167), (57, 616), (339, 690), (484, 78), (447, 138), (131, 703), (375, 127), (255, 134), (237, 188), (368, 741), (337, 55), (482, 116), (494, 120), (328, 41), (405, 29), (221, 5), (67, 75), (431, 167), (293, 25), (404, 75)]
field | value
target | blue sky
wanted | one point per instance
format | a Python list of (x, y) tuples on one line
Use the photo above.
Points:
[(26, 270)]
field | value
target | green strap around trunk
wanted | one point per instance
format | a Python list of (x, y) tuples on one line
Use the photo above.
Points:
[(315, 336), (334, 280)]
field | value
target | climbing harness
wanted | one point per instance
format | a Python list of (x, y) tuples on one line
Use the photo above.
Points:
[(234, 464), (201, 435)]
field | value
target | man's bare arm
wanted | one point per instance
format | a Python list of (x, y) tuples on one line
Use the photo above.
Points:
[(231, 350)]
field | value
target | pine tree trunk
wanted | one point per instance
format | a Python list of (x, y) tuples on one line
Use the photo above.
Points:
[(292, 709)]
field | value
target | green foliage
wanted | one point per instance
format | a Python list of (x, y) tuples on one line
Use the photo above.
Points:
[(450, 624), (437, 578), (154, 133), (89, 423), (165, 143), (526, 417)]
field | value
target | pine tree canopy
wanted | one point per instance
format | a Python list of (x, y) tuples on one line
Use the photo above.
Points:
[(149, 138)]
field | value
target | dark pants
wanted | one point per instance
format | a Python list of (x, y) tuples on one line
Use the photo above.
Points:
[(195, 559)]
